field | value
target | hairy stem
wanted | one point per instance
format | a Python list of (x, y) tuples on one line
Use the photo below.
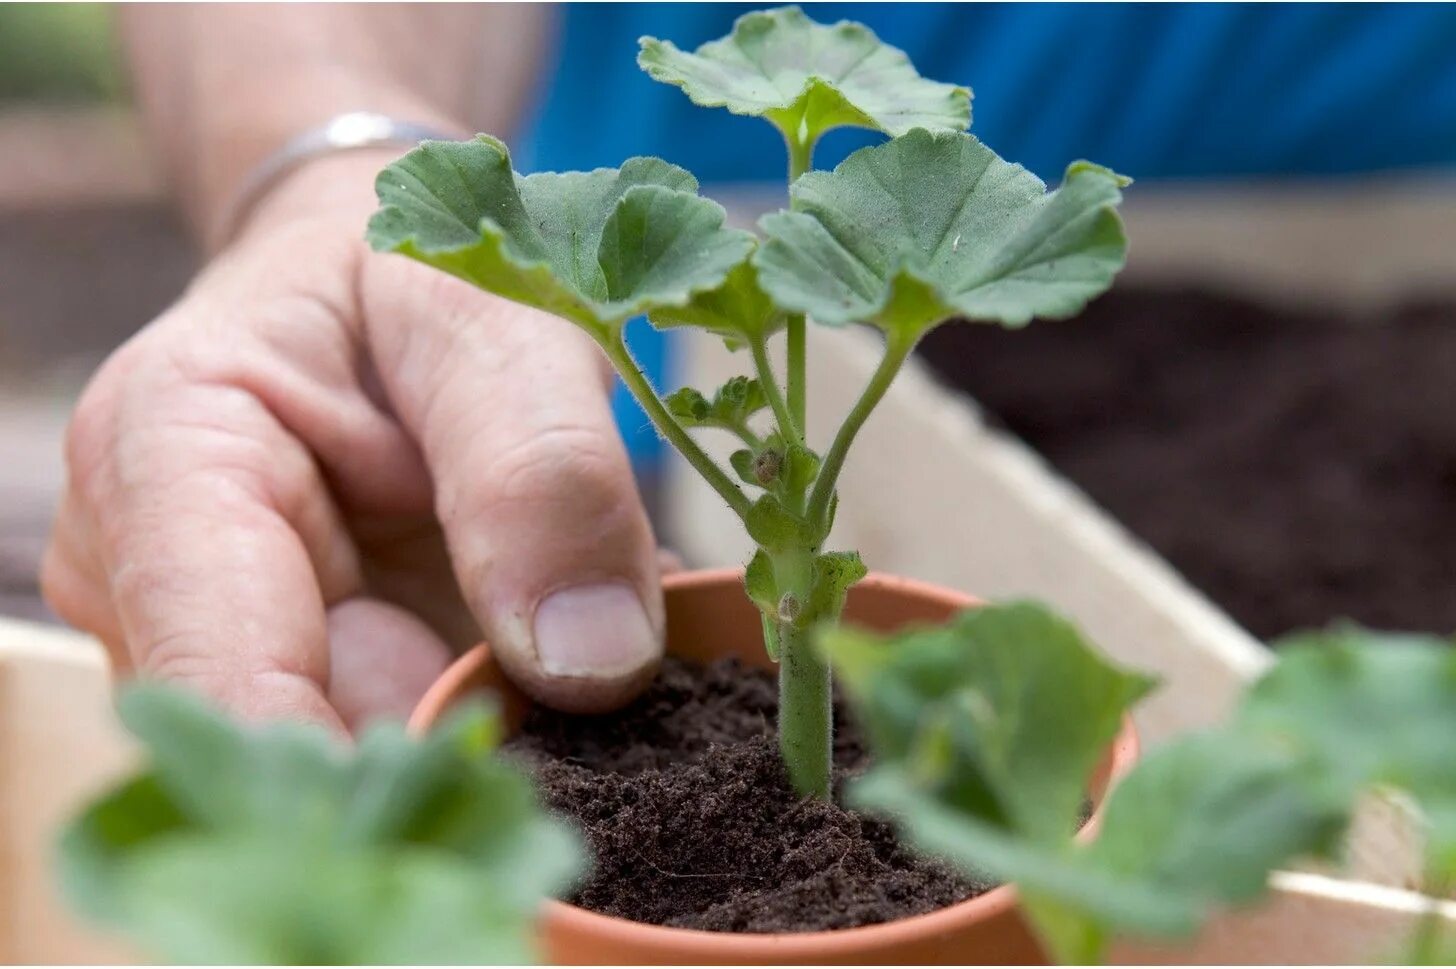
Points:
[(667, 425), (770, 385), (801, 159), (896, 350), (745, 433), (806, 716), (798, 377)]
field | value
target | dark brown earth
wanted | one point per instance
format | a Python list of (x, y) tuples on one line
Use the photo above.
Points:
[(693, 823), (1296, 465)]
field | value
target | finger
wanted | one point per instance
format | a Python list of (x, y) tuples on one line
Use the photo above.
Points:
[(382, 661), (74, 583), (547, 533), (218, 540)]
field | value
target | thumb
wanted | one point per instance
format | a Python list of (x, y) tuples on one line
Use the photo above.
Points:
[(546, 530)]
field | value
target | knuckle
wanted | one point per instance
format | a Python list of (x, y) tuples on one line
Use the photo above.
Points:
[(567, 462), (573, 467)]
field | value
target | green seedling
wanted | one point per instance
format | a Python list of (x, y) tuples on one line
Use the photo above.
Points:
[(927, 227), (280, 846), (986, 732)]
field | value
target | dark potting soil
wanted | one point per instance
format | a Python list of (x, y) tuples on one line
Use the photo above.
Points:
[(1297, 466), (692, 821)]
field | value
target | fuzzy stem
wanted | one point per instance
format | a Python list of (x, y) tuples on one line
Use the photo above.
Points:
[(667, 425), (806, 716), (770, 385), (745, 433), (896, 350), (801, 159), (797, 370)]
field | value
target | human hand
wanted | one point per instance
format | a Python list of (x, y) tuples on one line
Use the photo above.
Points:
[(323, 466)]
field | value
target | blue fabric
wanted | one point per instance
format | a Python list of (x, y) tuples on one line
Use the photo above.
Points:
[(1178, 91)]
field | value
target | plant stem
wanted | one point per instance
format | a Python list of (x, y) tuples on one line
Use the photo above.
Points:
[(667, 425), (745, 433), (806, 716), (797, 373), (896, 350), (770, 385), (801, 159)]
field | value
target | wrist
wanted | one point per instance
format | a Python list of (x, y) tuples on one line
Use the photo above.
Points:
[(228, 159), (335, 187)]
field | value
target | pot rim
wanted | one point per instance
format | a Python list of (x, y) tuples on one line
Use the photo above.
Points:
[(779, 947)]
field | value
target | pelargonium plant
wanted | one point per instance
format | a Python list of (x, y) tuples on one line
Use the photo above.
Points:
[(276, 845), (927, 227)]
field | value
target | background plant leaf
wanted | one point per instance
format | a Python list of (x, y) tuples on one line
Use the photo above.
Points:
[(596, 247), (1002, 713), (929, 227), (303, 852), (1372, 710), (1200, 823), (807, 78)]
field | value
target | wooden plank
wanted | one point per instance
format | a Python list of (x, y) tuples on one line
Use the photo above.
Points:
[(59, 745), (1308, 920)]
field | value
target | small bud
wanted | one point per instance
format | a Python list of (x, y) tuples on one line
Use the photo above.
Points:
[(766, 466), (789, 607)]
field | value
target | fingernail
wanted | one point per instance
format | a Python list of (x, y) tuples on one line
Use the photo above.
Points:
[(594, 630)]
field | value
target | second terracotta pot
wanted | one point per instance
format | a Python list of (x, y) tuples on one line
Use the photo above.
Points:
[(708, 617)]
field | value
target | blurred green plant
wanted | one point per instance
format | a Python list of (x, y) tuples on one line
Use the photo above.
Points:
[(985, 731), (280, 845), (59, 52)]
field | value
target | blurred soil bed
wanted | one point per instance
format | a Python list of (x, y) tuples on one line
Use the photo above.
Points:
[(1295, 464)]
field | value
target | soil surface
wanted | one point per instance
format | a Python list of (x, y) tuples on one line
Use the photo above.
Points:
[(693, 823), (1297, 466)]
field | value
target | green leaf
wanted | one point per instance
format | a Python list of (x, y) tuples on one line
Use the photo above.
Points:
[(596, 248), (807, 78), (1199, 825), (1205, 819), (834, 574), (264, 905), (1372, 710), (985, 732), (763, 590), (689, 406), (1002, 713), (738, 310), (774, 528), (930, 227), (1067, 898), (731, 407), (279, 845), (742, 462)]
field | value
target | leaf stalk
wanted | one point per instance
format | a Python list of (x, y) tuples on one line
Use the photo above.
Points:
[(897, 349), (638, 385)]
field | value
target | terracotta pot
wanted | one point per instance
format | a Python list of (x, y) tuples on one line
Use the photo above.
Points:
[(708, 616)]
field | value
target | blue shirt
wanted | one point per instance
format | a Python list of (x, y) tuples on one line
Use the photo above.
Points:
[(1174, 91)]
